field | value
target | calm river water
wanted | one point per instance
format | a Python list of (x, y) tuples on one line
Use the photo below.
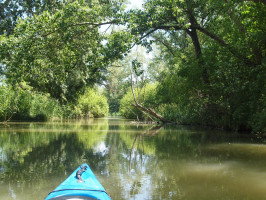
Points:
[(132, 161)]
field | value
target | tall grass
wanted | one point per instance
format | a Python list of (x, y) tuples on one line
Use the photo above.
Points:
[(25, 104), (20, 104)]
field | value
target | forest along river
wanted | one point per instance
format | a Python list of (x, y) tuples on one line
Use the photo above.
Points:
[(132, 161)]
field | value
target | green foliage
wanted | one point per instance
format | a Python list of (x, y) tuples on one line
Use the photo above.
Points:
[(91, 104), (146, 96), (126, 109), (115, 85), (20, 104), (213, 55), (11, 11), (119, 73), (137, 67), (62, 52), (8, 103), (211, 65), (43, 107), (172, 112), (24, 104)]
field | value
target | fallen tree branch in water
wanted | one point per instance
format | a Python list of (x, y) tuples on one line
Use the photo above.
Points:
[(5, 123), (151, 113)]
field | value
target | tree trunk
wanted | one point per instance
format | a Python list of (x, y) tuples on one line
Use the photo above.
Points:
[(148, 111), (194, 36)]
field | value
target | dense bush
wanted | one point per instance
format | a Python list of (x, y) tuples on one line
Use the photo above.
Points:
[(145, 96), (24, 104), (91, 104), (20, 104), (177, 102), (8, 102)]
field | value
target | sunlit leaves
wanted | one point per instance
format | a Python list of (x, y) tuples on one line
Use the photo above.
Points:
[(231, 39), (137, 67), (145, 96), (92, 104), (61, 53), (11, 11)]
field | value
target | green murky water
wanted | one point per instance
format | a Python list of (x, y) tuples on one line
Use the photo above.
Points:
[(132, 161)]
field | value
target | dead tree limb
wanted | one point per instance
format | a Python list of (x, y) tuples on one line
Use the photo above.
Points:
[(148, 111)]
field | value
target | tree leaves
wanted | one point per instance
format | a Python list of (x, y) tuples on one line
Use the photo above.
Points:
[(61, 53), (137, 67)]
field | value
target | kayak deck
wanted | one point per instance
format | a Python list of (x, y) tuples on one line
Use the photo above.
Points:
[(80, 185), (73, 198)]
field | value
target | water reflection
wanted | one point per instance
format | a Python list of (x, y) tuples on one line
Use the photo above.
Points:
[(132, 162)]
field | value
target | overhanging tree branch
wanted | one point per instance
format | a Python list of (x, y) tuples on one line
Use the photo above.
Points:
[(224, 44), (94, 25), (164, 43)]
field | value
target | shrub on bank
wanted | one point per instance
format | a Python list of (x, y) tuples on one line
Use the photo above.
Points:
[(91, 104), (145, 96), (19, 104)]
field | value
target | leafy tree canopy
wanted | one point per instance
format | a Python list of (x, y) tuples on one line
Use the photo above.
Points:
[(213, 53), (211, 64), (12, 10), (62, 52)]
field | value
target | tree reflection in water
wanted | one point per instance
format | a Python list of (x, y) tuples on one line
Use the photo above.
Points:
[(34, 163), (131, 161)]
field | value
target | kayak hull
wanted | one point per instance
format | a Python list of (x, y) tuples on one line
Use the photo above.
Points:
[(79, 185)]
